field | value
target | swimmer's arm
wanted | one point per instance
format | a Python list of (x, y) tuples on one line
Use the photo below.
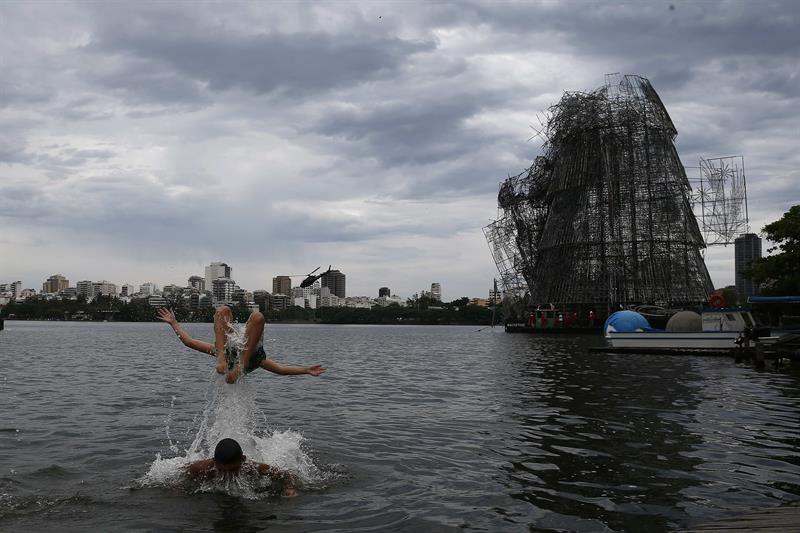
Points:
[(166, 315), (275, 368), (200, 468), (289, 483)]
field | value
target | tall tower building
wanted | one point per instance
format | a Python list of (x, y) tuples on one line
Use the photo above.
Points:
[(747, 248), (55, 284), (384, 291), (335, 281), (436, 292), (216, 270), (282, 285)]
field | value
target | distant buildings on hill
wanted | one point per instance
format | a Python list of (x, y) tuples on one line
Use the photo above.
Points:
[(216, 288)]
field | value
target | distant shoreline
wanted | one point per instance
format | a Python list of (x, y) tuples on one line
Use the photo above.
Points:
[(292, 322)]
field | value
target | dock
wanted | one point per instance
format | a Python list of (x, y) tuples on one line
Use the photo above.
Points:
[(783, 519), (566, 330), (777, 353)]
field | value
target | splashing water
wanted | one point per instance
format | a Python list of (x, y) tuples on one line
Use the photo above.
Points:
[(231, 412)]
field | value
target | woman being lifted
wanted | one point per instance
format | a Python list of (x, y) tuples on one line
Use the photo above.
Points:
[(232, 361)]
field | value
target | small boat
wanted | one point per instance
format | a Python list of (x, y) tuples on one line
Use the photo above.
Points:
[(715, 329)]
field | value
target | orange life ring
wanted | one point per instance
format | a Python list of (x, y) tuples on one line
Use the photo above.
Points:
[(716, 300)]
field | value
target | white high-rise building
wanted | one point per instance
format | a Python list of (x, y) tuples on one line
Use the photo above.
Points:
[(105, 288), (148, 289), (14, 288), (436, 292), (222, 289), (216, 271), (328, 299), (305, 292), (85, 289)]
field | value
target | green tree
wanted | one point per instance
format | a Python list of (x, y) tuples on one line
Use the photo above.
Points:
[(780, 272), (461, 302)]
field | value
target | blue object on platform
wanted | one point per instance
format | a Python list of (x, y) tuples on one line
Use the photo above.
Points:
[(626, 322)]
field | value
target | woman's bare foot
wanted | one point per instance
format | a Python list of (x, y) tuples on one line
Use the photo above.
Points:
[(221, 363)]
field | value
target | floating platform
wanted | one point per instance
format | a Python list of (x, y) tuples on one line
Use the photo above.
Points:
[(566, 330), (669, 351)]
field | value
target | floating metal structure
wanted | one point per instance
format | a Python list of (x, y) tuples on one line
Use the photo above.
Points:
[(604, 217)]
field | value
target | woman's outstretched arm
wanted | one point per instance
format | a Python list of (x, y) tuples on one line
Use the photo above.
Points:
[(275, 368), (166, 315)]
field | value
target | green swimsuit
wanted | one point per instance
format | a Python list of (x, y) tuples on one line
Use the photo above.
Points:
[(255, 359)]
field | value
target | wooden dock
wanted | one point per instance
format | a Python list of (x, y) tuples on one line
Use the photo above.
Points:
[(785, 519)]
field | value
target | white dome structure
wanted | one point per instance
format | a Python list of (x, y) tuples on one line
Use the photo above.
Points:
[(685, 322)]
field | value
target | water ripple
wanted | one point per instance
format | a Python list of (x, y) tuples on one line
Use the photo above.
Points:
[(412, 429)]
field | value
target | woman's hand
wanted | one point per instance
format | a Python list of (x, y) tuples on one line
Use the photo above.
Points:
[(315, 370), (166, 315)]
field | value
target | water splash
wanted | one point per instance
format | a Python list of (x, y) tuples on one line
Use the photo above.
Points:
[(231, 411)]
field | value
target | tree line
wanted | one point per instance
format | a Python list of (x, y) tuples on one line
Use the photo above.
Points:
[(139, 310)]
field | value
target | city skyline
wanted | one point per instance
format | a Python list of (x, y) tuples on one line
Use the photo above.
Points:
[(370, 138), (156, 287)]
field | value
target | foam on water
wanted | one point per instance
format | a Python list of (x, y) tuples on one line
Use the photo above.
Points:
[(231, 412)]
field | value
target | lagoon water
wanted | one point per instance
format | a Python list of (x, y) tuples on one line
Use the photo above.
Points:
[(411, 429)]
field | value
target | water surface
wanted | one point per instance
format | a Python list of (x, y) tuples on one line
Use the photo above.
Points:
[(411, 429)]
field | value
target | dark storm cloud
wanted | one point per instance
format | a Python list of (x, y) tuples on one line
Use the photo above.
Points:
[(300, 63), (411, 131), (692, 31), (144, 81)]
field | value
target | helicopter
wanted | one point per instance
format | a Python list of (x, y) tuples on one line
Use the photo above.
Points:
[(311, 278)]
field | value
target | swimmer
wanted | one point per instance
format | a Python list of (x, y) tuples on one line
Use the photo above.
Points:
[(229, 461), (229, 361)]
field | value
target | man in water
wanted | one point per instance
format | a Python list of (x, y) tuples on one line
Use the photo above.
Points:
[(230, 361), (229, 461)]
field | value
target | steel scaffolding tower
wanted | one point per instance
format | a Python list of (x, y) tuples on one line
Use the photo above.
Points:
[(604, 216)]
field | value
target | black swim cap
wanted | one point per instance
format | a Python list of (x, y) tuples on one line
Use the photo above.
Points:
[(228, 451)]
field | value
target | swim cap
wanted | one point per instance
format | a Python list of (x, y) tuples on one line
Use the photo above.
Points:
[(228, 451)]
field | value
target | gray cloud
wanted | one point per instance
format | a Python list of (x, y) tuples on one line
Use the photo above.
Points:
[(274, 135), (296, 63)]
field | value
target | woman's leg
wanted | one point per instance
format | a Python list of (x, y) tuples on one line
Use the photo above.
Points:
[(222, 325), (253, 331)]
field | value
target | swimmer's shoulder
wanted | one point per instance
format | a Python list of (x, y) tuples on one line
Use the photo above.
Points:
[(201, 468)]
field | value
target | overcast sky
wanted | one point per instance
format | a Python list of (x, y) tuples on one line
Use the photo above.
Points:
[(141, 141)]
